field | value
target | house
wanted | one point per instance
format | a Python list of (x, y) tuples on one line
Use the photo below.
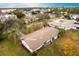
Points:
[(4, 17), (74, 16), (64, 24), (37, 39), (6, 10)]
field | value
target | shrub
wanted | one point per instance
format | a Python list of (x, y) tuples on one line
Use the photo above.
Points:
[(67, 16), (34, 54), (77, 19), (61, 32)]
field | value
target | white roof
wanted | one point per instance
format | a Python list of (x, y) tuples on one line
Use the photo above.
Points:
[(62, 22)]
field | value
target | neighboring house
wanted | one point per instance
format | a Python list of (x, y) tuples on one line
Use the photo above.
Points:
[(6, 10), (4, 14), (74, 16), (64, 24), (37, 39), (4, 17)]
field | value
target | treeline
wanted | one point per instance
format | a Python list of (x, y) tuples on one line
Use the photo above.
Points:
[(69, 10)]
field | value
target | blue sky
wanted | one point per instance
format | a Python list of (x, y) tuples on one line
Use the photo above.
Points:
[(22, 5)]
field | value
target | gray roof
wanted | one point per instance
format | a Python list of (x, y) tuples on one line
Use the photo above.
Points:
[(36, 39)]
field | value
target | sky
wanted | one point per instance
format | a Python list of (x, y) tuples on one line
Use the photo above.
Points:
[(26, 5)]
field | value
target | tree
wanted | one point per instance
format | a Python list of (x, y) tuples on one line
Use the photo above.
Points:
[(45, 23), (43, 16), (2, 25), (67, 16), (19, 13), (10, 28)]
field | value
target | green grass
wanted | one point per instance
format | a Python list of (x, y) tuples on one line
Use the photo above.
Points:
[(9, 48)]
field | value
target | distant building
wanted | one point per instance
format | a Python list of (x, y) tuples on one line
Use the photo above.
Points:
[(6, 10), (64, 24), (74, 16)]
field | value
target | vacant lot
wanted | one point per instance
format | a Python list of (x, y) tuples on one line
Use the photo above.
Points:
[(68, 44)]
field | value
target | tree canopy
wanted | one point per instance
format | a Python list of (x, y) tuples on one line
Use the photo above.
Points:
[(19, 13)]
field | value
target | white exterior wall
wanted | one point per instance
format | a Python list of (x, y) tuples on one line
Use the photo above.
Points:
[(26, 45)]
